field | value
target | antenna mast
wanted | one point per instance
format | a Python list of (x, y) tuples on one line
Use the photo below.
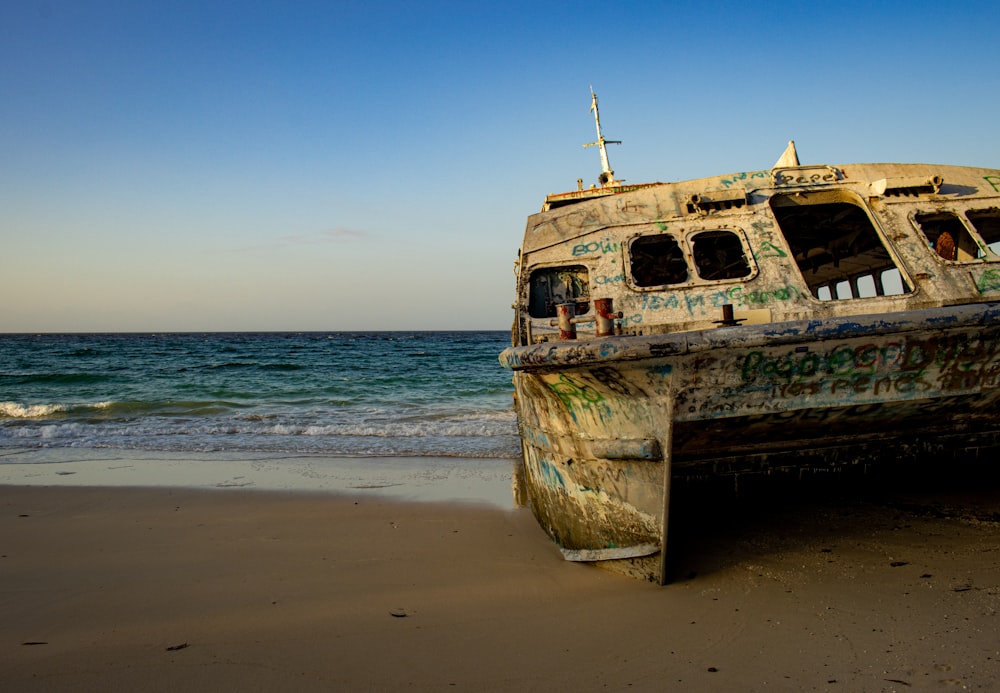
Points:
[(607, 176)]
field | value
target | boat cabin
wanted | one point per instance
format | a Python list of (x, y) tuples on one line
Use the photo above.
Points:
[(789, 243)]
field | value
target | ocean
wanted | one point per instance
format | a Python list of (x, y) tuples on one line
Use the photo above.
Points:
[(335, 394)]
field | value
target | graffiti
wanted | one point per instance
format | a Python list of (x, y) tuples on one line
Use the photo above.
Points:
[(654, 302), (989, 280), (903, 383), (769, 249), (993, 181), (818, 415), (986, 375), (611, 480), (509, 359), (839, 361), (910, 366), (740, 297), (573, 393), (624, 205), (694, 300), (536, 438), (609, 279), (613, 381), (603, 247), (691, 301), (550, 475), (735, 178), (573, 222), (805, 179), (609, 350), (736, 295)]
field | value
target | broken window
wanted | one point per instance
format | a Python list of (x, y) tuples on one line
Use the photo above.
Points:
[(657, 260), (987, 224), (947, 236), (719, 255), (550, 286), (836, 247), (887, 283)]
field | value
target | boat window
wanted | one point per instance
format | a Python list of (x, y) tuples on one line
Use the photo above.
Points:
[(719, 255), (887, 283), (987, 223), (550, 286), (836, 247), (948, 237), (657, 260)]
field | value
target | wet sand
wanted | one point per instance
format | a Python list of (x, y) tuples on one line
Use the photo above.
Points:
[(163, 589)]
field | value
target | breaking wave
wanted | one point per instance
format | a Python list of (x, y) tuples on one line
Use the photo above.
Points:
[(357, 394)]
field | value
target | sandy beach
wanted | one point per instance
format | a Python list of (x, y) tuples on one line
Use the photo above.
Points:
[(158, 588)]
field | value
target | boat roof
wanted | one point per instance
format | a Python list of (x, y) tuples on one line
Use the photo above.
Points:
[(881, 178)]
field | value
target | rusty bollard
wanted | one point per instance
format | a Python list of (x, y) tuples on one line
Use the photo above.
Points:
[(727, 317), (605, 317), (567, 328)]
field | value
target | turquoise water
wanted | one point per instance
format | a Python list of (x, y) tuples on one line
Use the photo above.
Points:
[(344, 393)]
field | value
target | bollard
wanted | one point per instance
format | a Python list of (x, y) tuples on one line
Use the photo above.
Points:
[(727, 317), (605, 317), (567, 328)]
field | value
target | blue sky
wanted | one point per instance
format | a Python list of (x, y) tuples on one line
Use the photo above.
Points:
[(172, 166)]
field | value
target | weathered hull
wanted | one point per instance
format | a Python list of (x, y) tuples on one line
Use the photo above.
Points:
[(607, 423)]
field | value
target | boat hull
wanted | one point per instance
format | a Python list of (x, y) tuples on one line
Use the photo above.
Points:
[(607, 423)]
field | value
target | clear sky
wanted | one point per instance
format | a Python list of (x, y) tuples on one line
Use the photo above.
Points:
[(352, 165)]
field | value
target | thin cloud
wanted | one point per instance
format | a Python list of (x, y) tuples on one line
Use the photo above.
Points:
[(337, 235), (328, 236), (341, 232)]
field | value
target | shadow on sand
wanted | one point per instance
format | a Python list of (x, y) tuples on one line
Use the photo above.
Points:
[(719, 523)]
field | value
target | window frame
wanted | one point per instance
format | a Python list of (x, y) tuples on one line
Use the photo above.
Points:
[(991, 254), (813, 289), (960, 217), (551, 268), (684, 236)]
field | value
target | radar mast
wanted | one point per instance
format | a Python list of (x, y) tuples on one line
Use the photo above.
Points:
[(607, 176)]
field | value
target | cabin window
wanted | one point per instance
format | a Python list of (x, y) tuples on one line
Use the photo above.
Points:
[(948, 237), (550, 286), (657, 261), (887, 283), (987, 224), (719, 255), (836, 247)]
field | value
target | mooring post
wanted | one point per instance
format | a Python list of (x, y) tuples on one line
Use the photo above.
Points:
[(567, 328), (605, 316)]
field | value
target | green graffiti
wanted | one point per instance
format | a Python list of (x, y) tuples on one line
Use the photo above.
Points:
[(572, 391), (989, 280), (769, 249)]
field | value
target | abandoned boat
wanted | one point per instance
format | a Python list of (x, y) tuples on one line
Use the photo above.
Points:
[(798, 317)]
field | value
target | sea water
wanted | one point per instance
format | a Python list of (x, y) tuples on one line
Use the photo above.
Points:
[(341, 394)]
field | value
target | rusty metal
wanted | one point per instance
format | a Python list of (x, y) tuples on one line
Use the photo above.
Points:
[(728, 319), (567, 327), (606, 316)]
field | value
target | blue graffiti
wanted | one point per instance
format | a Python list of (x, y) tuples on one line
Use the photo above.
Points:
[(735, 178)]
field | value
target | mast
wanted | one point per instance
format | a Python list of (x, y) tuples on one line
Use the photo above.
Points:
[(607, 176)]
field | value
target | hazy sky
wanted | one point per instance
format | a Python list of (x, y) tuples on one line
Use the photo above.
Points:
[(258, 165)]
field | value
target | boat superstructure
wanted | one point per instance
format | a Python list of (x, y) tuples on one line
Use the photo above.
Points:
[(796, 317)]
